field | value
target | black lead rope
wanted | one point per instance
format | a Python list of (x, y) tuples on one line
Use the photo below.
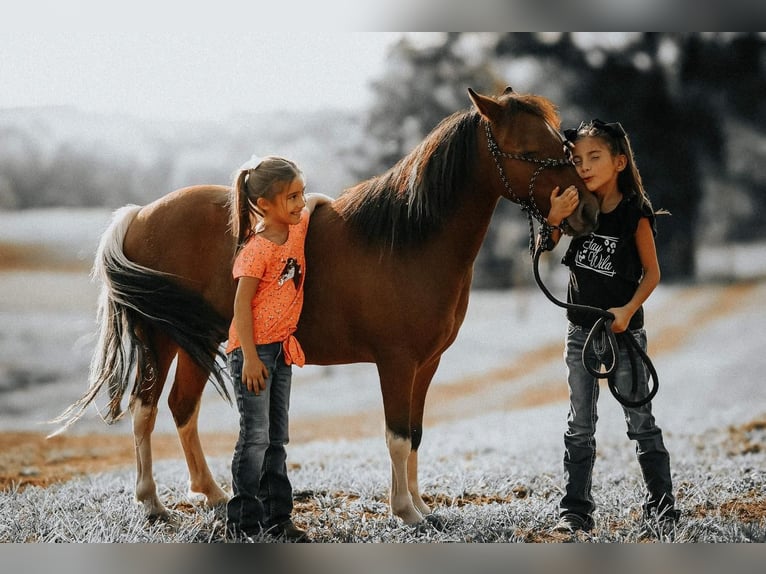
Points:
[(603, 327), (602, 331)]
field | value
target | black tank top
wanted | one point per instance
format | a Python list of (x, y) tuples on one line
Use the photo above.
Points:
[(604, 266)]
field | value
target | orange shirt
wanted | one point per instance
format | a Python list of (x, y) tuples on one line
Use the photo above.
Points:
[(278, 300)]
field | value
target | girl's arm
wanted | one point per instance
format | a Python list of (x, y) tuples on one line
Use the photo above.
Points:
[(254, 372), (651, 278), (314, 199)]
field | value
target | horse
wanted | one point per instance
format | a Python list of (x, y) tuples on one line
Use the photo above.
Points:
[(389, 271)]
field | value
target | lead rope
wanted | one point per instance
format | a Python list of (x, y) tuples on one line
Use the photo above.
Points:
[(602, 333), (603, 326)]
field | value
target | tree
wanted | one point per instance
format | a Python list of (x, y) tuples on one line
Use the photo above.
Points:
[(422, 85), (675, 93), (633, 78)]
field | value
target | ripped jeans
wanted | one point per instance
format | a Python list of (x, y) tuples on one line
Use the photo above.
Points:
[(263, 495), (579, 439)]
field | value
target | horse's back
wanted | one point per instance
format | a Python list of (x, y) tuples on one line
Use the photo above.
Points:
[(186, 233)]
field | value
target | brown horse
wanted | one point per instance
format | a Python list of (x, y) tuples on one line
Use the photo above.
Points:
[(389, 274)]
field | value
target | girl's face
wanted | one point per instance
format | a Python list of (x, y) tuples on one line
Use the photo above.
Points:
[(596, 165), (287, 205)]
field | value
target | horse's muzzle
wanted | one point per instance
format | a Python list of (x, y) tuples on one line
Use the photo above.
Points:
[(586, 216)]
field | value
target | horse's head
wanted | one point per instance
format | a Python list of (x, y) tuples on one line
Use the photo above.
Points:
[(532, 158)]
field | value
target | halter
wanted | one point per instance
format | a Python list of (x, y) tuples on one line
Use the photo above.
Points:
[(603, 326), (529, 204)]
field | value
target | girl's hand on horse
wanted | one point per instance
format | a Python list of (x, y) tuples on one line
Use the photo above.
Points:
[(254, 375), (563, 204), (315, 199)]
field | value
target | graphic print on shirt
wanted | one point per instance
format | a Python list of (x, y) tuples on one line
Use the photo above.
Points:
[(596, 254), (292, 270)]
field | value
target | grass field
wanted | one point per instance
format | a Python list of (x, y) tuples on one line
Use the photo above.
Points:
[(491, 454)]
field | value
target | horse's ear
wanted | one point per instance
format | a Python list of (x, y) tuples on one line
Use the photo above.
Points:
[(486, 106)]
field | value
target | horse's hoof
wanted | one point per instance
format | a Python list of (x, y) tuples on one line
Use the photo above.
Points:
[(436, 522), (422, 507), (411, 517), (209, 494), (164, 517), (155, 513), (217, 500)]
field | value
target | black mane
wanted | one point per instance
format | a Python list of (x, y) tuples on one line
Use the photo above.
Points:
[(405, 205)]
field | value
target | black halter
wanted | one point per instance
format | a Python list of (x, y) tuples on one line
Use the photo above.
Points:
[(527, 204)]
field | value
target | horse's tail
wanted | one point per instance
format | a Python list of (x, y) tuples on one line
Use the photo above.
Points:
[(132, 296)]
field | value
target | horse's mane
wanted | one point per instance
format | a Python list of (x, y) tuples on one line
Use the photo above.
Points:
[(409, 202), (404, 205)]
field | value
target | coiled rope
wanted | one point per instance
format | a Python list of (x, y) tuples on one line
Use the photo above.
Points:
[(602, 332)]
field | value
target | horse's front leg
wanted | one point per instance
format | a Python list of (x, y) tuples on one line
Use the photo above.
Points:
[(184, 402), (422, 382), (396, 387), (401, 502)]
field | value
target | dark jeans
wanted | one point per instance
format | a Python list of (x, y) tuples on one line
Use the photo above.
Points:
[(263, 496), (579, 439)]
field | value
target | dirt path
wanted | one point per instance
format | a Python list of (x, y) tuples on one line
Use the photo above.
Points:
[(28, 458)]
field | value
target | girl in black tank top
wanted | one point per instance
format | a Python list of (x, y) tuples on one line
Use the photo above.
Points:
[(614, 268)]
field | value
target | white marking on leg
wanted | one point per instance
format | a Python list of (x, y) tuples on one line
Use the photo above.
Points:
[(146, 489), (401, 502), (412, 483)]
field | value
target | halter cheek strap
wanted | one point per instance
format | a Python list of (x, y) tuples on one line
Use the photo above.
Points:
[(529, 204)]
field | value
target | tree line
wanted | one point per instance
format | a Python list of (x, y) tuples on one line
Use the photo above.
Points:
[(691, 102)]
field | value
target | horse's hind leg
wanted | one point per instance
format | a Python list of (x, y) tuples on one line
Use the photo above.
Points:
[(157, 357), (396, 386), (422, 382), (184, 400)]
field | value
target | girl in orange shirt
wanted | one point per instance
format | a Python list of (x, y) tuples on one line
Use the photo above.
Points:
[(270, 216)]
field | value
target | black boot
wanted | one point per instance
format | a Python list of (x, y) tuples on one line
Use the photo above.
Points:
[(578, 473), (654, 460)]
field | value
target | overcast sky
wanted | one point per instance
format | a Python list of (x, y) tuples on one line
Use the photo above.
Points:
[(190, 75)]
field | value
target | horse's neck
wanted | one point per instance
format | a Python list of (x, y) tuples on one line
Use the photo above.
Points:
[(465, 232)]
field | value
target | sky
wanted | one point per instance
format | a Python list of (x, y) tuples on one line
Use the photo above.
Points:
[(190, 75)]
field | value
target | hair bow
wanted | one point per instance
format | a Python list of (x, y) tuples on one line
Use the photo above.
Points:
[(614, 129), (252, 163)]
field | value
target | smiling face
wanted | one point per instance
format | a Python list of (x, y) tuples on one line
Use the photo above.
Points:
[(286, 206), (597, 166)]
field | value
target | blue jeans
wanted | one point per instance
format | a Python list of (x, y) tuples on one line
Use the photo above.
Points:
[(579, 439), (263, 496)]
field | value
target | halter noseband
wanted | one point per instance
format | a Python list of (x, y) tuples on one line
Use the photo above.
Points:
[(529, 204)]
